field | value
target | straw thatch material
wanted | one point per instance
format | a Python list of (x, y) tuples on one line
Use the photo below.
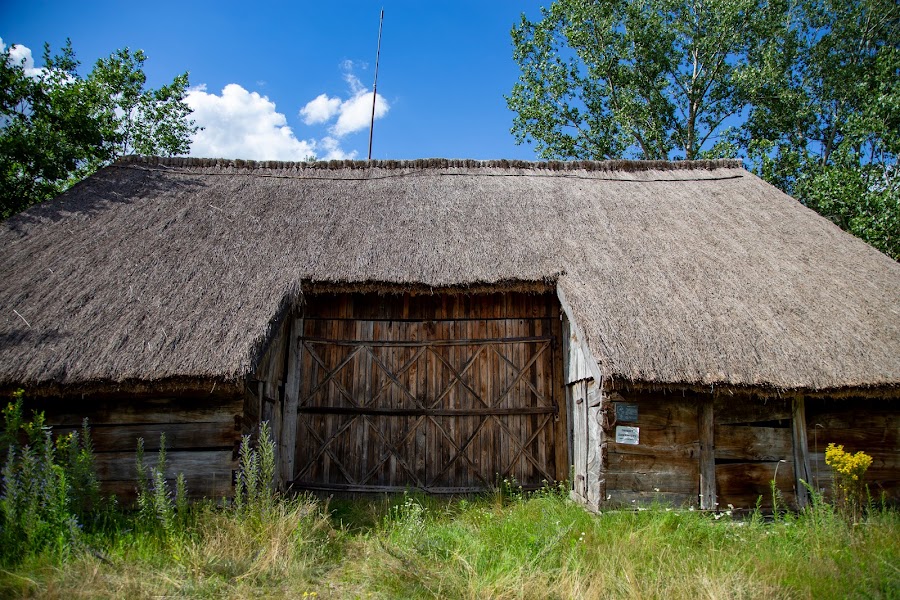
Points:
[(690, 272)]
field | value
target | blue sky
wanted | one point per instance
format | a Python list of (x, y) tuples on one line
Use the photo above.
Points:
[(283, 80)]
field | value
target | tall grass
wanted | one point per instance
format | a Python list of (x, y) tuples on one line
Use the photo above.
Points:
[(507, 544), (412, 546)]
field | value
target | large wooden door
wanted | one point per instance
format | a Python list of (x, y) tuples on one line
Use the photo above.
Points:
[(441, 405)]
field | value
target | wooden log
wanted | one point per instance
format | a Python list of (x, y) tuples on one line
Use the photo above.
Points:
[(672, 442), (652, 475), (123, 438), (742, 408), (855, 439), (742, 484), (747, 442), (288, 443), (596, 478), (661, 413), (195, 464), (162, 410), (800, 451), (707, 455), (125, 491), (580, 438), (625, 499), (850, 414)]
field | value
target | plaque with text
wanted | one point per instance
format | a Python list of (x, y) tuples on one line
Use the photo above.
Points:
[(627, 412), (628, 435)]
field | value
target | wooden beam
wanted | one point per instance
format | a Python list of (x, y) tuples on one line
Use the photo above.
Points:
[(428, 412), (579, 337), (288, 442), (557, 383), (419, 343), (801, 450), (594, 483), (706, 423)]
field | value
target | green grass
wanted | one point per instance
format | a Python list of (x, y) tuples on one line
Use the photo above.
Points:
[(412, 546)]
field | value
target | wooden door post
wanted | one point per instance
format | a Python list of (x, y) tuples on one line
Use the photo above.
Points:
[(707, 455), (800, 444)]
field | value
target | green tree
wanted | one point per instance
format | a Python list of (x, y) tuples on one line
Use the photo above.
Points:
[(828, 130), (57, 127), (604, 79), (806, 91)]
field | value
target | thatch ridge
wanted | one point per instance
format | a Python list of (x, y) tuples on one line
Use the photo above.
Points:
[(431, 163), (695, 274)]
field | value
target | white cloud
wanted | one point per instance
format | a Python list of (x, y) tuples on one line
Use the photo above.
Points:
[(242, 124), (356, 113), (332, 150), (21, 55), (353, 114), (320, 109)]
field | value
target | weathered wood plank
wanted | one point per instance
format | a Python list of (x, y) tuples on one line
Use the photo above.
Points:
[(580, 441), (401, 343), (162, 410), (212, 488), (707, 464), (625, 499), (856, 439), (747, 442), (884, 462), (453, 306), (288, 442), (123, 438), (561, 434), (405, 411), (677, 482), (652, 475), (596, 479), (741, 484), (661, 412), (195, 464), (800, 451), (636, 463), (675, 442), (742, 408)]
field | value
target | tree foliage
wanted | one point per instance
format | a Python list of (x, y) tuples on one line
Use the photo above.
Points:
[(806, 91), (827, 130), (57, 127)]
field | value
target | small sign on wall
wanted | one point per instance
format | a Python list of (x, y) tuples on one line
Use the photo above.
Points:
[(627, 412), (628, 435)]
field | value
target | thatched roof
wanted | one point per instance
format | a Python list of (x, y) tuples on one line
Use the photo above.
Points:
[(692, 272)]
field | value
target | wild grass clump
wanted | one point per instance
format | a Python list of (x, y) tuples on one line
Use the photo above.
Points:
[(45, 486), (161, 510)]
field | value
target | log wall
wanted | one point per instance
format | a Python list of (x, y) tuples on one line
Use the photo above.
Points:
[(859, 424), (712, 451), (202, 432), (664, 464)]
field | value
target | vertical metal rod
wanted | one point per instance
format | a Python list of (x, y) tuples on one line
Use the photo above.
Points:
[(375, 85)]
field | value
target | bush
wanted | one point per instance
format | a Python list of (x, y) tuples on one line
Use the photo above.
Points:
[(39, 494)]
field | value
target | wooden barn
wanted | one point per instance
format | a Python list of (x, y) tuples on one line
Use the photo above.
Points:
[(681, 331)]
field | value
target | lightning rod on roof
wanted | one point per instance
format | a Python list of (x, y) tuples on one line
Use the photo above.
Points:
[(375, 85)]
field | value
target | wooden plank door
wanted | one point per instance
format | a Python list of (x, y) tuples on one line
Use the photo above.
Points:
[(444, 406), (491, 411)]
